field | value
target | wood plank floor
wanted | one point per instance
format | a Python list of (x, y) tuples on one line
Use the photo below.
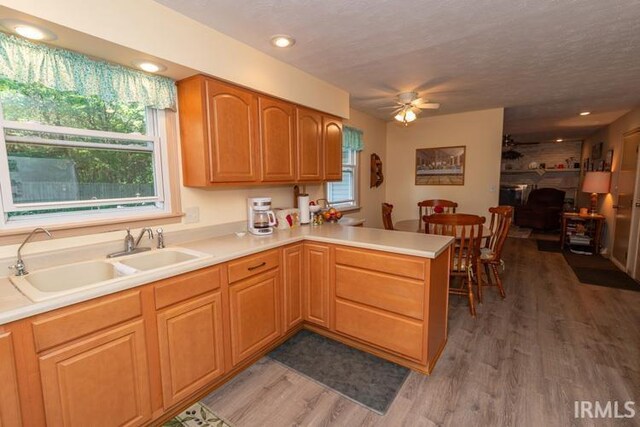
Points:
[(522, 362)]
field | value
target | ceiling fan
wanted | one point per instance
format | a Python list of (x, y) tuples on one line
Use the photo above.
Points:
[(408, 105), (508, 141)]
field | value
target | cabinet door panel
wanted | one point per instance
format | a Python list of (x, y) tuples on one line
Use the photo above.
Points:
[(100, 381), (255, 319), (292, 268), (316, 284), (9, 400), (191, 346), (310, 153), (332, 138), (232, 123), (278, 140)]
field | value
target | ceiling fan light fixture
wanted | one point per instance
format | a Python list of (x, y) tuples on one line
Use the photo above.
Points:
[(409, 116)]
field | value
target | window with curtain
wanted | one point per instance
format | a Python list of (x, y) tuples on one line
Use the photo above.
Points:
[(80, 138), (344, 194)]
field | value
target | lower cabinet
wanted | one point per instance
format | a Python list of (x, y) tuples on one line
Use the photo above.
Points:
[(101, 380), (316, 284), (255, 321), (191, 346), (9, 400), (292, 286)]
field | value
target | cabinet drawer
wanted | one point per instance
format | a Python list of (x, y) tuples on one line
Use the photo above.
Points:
[(386, 330), (83, 319), (254, 264), (392, 293), (382, 262), (181, 288)]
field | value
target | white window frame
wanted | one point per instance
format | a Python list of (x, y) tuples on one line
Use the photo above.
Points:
[(354, 167), (155, 135)]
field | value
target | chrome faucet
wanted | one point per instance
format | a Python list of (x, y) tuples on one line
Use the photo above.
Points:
[(160, 234), (131, 245), (19, 266)]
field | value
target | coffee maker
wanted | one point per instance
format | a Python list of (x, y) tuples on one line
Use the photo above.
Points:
[(260, 217)]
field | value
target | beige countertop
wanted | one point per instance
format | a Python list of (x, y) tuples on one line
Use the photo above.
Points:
[(14, 305)]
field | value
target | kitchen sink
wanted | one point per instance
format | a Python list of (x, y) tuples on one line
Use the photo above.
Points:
[(159, 259), (51, 282), (41, 285)]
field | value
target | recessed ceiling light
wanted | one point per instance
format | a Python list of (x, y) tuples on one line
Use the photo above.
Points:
[(27, 30), (585, 113), (282, 40), (559, 140), (149, 67)]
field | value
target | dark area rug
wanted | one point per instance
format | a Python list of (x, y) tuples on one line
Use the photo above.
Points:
[(359, 376), (548, 245), (592, 269), (598, 270)]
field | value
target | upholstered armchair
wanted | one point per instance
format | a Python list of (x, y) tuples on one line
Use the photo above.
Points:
[(542, 210)]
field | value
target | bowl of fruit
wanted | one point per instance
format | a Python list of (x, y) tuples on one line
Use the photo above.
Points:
[(332, 215)]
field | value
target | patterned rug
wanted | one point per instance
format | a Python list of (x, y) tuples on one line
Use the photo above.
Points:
[(197, 415)]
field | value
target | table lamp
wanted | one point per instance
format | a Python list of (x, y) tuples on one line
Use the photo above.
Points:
[(596, 183)]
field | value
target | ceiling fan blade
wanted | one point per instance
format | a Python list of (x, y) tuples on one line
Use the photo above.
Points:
[(418, 101), (388, 107), (429, 106)]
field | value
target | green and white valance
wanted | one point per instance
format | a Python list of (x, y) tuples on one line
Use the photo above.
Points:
[(68, 71), (352, 139)]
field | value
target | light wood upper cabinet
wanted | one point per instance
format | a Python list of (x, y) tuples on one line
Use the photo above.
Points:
[(9, 400), (332, 139), (277, 140), (292, 274), (316, 284), (232, 135), (233, 120), (310, 153), (219, 132), (255, 314), (191, 346), (101, 380)]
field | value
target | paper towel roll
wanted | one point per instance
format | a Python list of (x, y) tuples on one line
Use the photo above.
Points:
[(303, 205)]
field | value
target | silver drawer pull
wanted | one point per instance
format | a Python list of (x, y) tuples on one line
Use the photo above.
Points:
[(262, 264)]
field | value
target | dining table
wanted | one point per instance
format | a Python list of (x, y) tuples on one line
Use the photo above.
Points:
[(413, 224)]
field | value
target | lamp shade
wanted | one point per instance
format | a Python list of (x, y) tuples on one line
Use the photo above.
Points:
[(596, 182)]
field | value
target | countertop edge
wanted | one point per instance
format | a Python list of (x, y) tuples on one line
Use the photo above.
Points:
[(144, 278)]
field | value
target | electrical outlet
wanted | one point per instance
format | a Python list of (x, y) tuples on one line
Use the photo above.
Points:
[(192, 215)]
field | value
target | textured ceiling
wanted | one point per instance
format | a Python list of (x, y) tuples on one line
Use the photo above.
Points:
[(544, 60)]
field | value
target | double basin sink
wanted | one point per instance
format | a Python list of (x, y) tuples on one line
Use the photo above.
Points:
[(66, 279)]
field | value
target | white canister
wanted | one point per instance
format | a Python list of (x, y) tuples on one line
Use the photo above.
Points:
[(303, 205)]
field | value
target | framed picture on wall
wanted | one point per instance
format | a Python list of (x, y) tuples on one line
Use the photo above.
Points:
[(440, 166), (596, 150), (608, 160)]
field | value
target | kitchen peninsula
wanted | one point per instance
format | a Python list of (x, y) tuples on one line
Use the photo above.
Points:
[(169, 335)]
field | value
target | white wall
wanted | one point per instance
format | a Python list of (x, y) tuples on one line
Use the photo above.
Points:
[(375, 141), (479, 131), (154, 29)]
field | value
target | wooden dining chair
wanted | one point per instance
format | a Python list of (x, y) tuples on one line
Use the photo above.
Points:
[(448, 207), (465, 259), (386, 216), (491, 253)]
